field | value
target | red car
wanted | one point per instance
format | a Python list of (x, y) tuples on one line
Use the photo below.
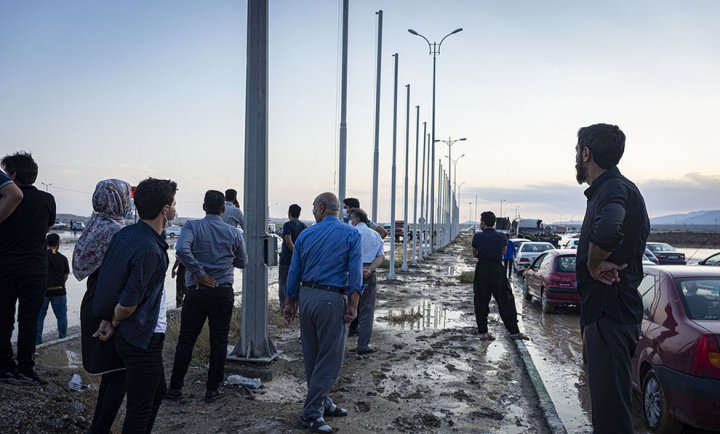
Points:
[(551, 279), (676, 366)]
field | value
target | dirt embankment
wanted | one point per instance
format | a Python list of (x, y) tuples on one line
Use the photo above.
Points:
[(708, 240)]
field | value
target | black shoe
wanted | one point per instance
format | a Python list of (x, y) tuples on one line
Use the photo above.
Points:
[(7, 376), (213, 395), (28, 378), (370, 350), (173, 394)]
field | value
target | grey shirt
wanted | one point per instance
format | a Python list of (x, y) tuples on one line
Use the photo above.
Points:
[(233, 216)]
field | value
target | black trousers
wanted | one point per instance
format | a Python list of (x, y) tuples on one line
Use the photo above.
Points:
[(490, 281), (283, 271), (28, 292), (180, 288), (144, 381), (610, 347), (110, 398), (215, 305), (508, 267)]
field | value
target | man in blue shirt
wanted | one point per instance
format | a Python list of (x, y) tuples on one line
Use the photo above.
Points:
[(326, 267), (130, 297), (210, 249), (490, 281), (509, 256)]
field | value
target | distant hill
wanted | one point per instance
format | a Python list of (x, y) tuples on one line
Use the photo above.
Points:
[(706, 217), (65, 218)]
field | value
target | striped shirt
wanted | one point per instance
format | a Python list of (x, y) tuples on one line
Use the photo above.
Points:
[(133, 274), (371, 242)]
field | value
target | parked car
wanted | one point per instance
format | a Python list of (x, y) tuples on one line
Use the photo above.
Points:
[(399, 229), (650, 256), (666, 254), (172, 231), (77, 226), (572, 243), (676, 366), (551, 279), (713, 260), (518, 242), (647, 262), (59, 225), (527, 253)]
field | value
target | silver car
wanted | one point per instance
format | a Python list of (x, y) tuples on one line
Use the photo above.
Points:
[(527, 253)]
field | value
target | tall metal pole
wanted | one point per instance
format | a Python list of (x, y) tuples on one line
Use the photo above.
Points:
[(391, 273), (254, 343), (440, 199), (432, 175), (342, 164), (376, 155), (475, 219), (415, 196), (422, 195), (428, 210), (404, 266)]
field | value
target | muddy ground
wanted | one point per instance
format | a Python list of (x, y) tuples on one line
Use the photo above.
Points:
[(431, 373)]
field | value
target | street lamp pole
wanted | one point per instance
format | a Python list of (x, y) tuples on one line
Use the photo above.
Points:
[(376, 155), (404, 266), (423, 223), (450, 142), (47, 185), (342, 164), (391, 274), (501, 202), (434, 52), (415, 201)]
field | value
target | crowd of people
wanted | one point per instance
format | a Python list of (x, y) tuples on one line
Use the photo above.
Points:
[(327, 280)]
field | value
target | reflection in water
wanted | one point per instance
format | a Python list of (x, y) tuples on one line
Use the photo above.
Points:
[(426, 315)]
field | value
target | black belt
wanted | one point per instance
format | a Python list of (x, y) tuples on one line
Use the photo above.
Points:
[(323, 287), (200, 286)]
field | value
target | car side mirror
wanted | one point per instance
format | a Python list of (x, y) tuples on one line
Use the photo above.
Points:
[(701, 262)]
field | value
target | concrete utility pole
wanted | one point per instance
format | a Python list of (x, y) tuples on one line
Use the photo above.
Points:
[(376, 155), (342, 164), (404, 266), (415, 196), (391, 274), (422, 196), (254, 344)]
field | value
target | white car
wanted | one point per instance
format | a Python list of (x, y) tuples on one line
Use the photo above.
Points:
[(172, 231), (517, 242), (527, 253), (572, 243)]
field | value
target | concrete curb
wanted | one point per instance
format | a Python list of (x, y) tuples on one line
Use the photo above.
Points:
[(544, 401)]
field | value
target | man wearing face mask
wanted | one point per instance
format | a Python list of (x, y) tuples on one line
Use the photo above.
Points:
[(326, 267), (609, 270), (130, 297)]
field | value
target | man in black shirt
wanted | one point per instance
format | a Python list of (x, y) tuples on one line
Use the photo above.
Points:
[(55, 294), (23, 269), (489, 248), (290, 231), (609, 269)]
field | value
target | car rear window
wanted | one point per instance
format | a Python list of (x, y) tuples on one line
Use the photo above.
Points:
[(701, 297), (661, 247), (565, 264), (536, 248)]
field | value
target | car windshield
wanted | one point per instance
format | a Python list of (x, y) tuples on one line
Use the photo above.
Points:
[(536, 247), (661, 247), (565, 264), (701, 297)]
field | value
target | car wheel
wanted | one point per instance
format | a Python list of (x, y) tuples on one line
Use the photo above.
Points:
[(546, 306), (655, 407), (526, 292)]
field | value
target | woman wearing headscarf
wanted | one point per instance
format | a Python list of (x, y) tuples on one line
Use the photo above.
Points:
[(111, 202)]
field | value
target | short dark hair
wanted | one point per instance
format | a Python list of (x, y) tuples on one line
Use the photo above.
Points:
[(23, 166), (214, 202), (360, 214), (230, 194), (152, 195), (488, 217), (351, 202), (607, 143), (294, 210), (53, 240)]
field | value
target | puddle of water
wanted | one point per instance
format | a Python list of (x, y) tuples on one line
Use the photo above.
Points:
[(427, 315)]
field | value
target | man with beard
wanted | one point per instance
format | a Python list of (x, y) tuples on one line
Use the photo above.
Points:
[(609, 269)]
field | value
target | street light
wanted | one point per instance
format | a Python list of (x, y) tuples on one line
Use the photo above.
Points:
[(501, 202), (450, 142), (47, 185), (455, 161), (434, 49)]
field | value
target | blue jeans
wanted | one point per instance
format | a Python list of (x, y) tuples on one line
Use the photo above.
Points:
[(59, 307)]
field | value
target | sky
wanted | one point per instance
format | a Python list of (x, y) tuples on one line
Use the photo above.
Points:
[(101, 89)]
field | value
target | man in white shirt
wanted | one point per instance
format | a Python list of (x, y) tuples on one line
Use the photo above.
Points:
[(372, 256)]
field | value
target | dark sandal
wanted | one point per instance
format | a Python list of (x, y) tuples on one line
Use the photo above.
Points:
[(335, 412), (316, 425)]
